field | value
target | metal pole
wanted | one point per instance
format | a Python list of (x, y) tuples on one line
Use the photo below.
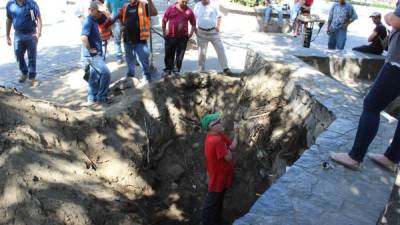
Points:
[(151, 37)]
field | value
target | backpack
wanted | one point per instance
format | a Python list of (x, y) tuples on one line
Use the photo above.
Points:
[(385, 41)]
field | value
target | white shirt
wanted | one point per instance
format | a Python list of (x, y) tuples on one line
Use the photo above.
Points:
[(206, 16)]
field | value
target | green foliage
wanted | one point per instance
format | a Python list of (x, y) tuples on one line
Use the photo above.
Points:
[(386, 4), (383, 5), (250, 3)]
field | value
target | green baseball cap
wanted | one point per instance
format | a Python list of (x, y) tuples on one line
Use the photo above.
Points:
[(207, 119)]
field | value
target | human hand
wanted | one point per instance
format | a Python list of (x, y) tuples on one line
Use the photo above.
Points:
[(217, 29), (37, 36), (93, 51), (9, 40), (236, 127)]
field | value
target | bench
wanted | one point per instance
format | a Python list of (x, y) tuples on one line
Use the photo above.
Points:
[(273, 26)]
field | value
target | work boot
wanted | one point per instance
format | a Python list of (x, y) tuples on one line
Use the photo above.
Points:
[(23, 78), (176, 71), (166, 73), (383, 161), (228, 72), (34, 83), (105, 102), (120, 62), (345, 160), (129, 82)]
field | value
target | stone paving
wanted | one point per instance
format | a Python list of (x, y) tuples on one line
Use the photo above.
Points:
[(307, 194), (58, 49)]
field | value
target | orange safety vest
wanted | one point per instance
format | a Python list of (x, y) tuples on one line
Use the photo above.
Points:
[(144, 20), (105, 28)]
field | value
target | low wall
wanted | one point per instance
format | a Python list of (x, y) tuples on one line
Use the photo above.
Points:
[(346, 68), (355, 72), (254, 16)]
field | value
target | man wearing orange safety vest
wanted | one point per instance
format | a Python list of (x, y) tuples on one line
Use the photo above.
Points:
[(105, 32), (135, 21)]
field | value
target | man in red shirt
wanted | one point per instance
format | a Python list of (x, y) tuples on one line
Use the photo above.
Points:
[(306, 7), (178, 16), (220, 166)]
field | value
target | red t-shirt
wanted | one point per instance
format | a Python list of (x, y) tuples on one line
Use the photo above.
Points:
[(178, 21), (308, 2), (220, 172)]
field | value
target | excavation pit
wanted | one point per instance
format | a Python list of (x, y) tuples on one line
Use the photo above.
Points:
[(141, 160)]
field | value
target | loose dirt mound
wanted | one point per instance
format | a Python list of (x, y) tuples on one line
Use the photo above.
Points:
[(141, 160)]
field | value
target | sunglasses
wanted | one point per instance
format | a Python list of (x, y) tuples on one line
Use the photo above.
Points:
[(216, 122)]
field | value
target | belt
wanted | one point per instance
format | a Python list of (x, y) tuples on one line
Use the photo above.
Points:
[(25, 32), (207, 29)]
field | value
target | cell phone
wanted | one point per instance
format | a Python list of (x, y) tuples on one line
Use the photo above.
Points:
[(32, 15)]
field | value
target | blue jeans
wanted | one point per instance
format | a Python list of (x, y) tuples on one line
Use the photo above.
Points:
[(294, 11), (384, 90), (142, 51), (267, 15), (99, 80), (26, 43), (337, 39), (116, 30)]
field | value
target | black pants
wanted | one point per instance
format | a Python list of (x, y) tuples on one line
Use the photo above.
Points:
[(174, 52), (385, 89), (212, 208), (368, 49)]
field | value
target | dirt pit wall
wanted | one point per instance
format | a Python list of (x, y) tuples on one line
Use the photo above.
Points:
[(141, 160)]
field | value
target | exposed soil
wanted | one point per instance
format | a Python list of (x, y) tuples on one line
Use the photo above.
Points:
[(141, 160)]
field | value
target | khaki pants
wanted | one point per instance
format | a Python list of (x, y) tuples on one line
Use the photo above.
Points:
[(203, 37)]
